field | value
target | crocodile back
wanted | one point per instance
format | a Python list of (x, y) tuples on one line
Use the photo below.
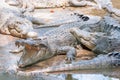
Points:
[(110, 26)]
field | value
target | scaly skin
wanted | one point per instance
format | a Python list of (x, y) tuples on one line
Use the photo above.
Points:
[(102, 38), (65, 19), (56, 3), (57, 41), (63, 42), (33, 4), (14, 23), (109, 61), (11, 73)]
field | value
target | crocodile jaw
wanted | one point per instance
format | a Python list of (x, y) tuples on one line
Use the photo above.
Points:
[(34, 51), (30, 57)]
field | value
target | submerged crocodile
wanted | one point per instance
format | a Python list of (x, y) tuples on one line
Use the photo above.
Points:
[(108, 61), (53, 42)]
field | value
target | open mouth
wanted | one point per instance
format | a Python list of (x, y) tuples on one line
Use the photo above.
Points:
[(31, 53), (30, 45)]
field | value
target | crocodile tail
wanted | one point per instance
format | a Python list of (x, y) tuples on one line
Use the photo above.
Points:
[(82, 65), (96, 63), (60, 68)]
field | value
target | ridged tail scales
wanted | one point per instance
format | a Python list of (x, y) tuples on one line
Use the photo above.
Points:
[(109, 25)]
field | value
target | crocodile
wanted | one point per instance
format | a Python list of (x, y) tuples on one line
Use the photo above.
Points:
[(60, 38), (11, 72), (102, 38), (18, 18), (35, 4), (96, 37), (13, 22), (30, 5), (101, 62)]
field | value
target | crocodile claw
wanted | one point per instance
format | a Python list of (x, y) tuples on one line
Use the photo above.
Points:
[(70, 58)]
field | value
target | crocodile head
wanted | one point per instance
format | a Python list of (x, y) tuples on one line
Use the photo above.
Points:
[(34, 50), (86, 38), (17, 27)]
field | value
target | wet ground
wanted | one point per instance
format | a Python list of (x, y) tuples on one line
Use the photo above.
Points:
[(9, 60)]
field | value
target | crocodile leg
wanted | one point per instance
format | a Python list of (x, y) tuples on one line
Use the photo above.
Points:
[(71, 52)]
